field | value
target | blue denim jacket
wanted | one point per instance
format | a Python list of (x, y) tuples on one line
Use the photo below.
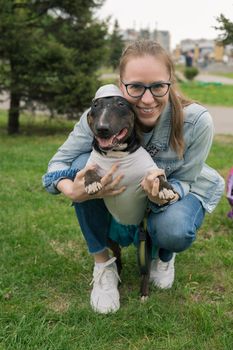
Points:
[(186, 174)]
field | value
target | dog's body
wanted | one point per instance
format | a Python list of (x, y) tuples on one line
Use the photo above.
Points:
[(129, 207), (116, 139), (112, 121)]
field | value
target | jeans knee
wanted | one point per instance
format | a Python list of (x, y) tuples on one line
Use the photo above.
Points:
[(175, 228), (177, 241), (94, 221), (175, 237)]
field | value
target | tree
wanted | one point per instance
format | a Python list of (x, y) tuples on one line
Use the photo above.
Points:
[(226, 26), (116, 45), (49, 53)]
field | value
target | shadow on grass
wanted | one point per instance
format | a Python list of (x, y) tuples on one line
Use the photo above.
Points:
[(40, 125)]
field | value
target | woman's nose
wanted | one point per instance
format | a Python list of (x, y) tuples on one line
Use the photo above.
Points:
[(147, 97)]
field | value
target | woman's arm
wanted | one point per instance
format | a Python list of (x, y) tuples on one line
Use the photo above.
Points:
[(150, 185), (59, 168), (197, 150), (78, 142), (196, 153)]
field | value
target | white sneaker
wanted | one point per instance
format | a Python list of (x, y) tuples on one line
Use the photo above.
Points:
[(162, 274), (105, 296)]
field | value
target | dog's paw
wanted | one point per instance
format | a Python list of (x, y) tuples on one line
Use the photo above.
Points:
[(92, 182), (166, 191), (144, 298), (166, 194), (93, 188)]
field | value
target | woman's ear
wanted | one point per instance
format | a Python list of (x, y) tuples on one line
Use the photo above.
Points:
[(126, 96), (122, 87)]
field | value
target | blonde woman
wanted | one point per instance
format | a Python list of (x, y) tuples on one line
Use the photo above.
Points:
[(178, 134)]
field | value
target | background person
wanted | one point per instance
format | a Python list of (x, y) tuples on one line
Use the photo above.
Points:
[(178, 134), (189, 59)]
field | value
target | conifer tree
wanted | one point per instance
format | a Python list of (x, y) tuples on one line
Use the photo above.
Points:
[(226, 26), (116, 46), (49, 53)]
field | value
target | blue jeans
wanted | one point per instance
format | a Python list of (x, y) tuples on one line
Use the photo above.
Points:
[(174, 229), (93, 216), (171, 230)]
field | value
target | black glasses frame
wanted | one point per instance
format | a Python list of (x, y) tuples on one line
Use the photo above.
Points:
[(149, 87)]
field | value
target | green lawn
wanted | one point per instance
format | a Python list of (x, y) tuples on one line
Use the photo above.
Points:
[(223, 74), (45, 269), (209, 93)]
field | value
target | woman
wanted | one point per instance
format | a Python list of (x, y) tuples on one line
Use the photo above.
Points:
[(178, 135)]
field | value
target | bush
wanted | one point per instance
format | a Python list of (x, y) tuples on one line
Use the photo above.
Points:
[(191, 72)]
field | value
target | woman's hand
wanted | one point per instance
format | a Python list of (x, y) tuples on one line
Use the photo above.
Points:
[(75, 190), (150, 184)]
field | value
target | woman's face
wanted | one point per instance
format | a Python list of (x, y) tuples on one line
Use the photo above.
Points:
[(146, 70)]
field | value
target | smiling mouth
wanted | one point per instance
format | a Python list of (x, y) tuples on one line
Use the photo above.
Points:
[(147, 110), (113, 141)]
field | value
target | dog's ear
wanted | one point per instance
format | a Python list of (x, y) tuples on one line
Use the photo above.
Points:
[(89, 117), (132, 110), (94, 103)]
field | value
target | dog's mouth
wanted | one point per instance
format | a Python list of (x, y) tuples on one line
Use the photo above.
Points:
[(113, 141)]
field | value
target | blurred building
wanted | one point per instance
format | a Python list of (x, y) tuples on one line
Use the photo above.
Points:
[(162, 36), (204, 51), (199, 47), (129, 35)]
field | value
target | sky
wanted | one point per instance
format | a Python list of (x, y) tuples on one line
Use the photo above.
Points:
[(184, 19)]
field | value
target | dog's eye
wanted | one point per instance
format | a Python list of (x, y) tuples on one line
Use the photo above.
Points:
[(95, 104), (121, 104)]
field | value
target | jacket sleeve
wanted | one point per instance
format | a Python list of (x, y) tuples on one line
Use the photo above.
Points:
[(197, 147), (196, 151), (79, 142), (51, 179)]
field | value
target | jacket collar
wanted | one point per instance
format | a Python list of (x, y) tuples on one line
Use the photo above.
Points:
[(161, 133)]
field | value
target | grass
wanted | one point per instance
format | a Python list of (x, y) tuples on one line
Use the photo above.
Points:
[(45, 269), (223, 74), (209, 93), (38, 124)]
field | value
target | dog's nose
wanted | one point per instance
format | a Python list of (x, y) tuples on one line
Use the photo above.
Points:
[(103, 129)]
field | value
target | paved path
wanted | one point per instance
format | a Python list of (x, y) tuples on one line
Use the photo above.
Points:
[(4, 101), (222, 118)]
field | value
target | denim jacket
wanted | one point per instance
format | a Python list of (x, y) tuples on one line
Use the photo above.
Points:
[(188, 174)]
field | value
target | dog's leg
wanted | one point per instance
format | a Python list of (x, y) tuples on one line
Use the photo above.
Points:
[(144, 289), (116, 249), (144, 260), (92, 182)]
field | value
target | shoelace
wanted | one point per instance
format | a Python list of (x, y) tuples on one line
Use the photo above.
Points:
[(101, 271), (164, 266)]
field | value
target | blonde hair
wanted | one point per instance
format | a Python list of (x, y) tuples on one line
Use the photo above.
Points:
[(142, 48)]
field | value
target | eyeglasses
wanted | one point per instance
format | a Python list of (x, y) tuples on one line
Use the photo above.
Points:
[(137, 90)]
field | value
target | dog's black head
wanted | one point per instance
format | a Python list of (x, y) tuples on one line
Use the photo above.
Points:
[(112, 120)]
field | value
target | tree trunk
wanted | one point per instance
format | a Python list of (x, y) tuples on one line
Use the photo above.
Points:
[(13, 114)]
